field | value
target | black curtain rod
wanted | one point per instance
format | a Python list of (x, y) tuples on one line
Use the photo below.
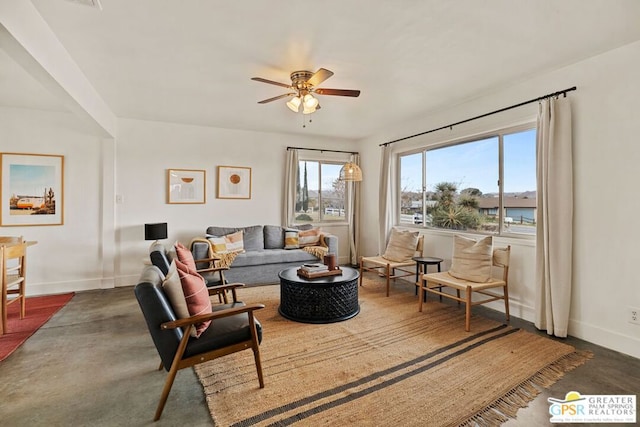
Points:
[(551, 95), (322, 150)]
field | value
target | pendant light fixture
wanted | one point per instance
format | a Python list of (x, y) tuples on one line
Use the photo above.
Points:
[(350, 172)]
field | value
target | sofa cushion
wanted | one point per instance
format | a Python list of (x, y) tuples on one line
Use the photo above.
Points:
[(272, 256), (472, 259), (273, 237), (196, 295), (291, 239), (254, 238)]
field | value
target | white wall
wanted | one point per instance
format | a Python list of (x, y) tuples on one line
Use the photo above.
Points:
[(145, 150), (70, 256), (606, 158)]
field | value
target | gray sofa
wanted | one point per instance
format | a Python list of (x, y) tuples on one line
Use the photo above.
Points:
[(264, 255)]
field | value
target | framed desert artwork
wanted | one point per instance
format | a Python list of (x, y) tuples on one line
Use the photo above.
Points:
[(31, 192), (186, 186), (234, 182)]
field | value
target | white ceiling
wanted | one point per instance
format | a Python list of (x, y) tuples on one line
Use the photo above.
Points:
[(191, 61)]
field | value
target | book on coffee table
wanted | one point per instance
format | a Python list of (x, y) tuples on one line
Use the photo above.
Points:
[(314, 267), (316, 274)]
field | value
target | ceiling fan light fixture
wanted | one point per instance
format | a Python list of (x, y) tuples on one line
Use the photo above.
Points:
[(294, 104), (308, 110), (310, 102), (350, 172)]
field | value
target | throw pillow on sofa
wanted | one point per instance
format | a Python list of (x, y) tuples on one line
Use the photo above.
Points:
[(309, 237), (291, 239), (230, 243)]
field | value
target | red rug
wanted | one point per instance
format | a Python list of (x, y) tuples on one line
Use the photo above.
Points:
[(39, 311)]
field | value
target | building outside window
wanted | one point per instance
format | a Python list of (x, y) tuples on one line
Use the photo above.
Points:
[(486, 184)]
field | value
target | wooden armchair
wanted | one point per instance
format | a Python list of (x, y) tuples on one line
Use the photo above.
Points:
[(233, 328), (393, 267), (435, 282)]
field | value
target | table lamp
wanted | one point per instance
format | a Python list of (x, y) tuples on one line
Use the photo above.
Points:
[(155, 231)]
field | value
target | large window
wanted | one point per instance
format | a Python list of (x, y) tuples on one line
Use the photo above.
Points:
[(320, 195), (485, 185)]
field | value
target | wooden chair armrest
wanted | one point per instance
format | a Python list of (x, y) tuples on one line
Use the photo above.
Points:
[(221, 289), (230, 286), (207, 259), (212, 269), (211, 316), (214, 290)]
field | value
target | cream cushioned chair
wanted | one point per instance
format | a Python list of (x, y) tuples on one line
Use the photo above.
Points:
[(396, 261), (433, 282)]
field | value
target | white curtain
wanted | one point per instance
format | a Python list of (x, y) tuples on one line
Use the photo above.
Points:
[(385, 203), (554, 217), (291, 180), (353, 199)]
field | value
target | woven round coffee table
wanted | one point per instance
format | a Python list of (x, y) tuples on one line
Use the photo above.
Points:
[(320, 300)]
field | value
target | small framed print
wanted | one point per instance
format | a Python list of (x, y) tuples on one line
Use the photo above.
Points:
[(186, 186), (31, 192), (234, 182)]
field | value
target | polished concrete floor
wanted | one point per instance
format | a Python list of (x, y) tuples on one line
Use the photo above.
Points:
[(93, 364)]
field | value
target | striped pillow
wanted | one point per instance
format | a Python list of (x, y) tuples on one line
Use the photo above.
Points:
[(309, 237), (233, 242), (196, 296)]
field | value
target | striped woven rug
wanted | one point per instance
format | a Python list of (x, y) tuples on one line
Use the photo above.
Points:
[(388, 366)]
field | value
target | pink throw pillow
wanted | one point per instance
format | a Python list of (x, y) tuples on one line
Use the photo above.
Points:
[(185, 256), (196, 295)]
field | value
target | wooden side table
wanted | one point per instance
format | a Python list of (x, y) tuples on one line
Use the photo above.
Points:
[(421, 267)]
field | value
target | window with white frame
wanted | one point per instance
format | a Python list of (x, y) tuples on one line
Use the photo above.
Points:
[(486, 184), (320, 195)]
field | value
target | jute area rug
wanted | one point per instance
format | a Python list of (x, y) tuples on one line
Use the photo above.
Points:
[(388, 366)]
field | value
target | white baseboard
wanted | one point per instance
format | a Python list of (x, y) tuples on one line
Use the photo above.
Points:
[(51, 288), (606, 338)]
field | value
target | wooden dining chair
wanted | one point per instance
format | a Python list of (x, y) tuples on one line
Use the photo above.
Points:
[(12, 240), (14, 270), (4, 240)]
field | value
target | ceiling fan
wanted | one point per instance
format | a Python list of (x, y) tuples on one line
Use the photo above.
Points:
[(304, 86)]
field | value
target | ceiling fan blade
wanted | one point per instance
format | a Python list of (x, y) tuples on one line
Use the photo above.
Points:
[(321, 75), (338, 92), (271, 82), (275, 98)]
